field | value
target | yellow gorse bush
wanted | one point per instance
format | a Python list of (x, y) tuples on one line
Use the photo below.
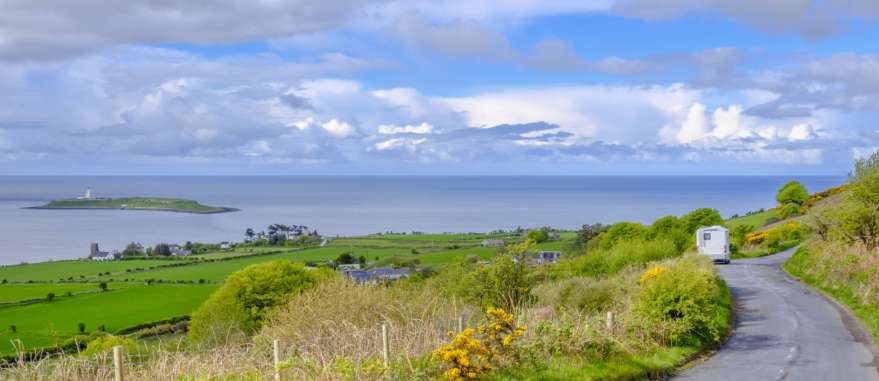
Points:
[(756, 238), (651, 273), (468, 356)]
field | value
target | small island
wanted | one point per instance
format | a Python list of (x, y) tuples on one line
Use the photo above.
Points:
[(135, 203)]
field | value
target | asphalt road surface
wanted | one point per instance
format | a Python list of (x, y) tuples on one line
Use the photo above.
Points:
[(784, 330)]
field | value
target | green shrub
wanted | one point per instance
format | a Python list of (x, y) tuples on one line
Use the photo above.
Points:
[(685, 303), (699, 218), (105, 343), (629, 253), (238, 307), (580, 293), (621, 232)]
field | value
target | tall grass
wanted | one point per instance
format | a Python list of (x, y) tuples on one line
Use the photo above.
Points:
[(332, 331)]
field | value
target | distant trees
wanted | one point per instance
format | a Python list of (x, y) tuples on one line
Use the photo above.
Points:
[(791, 198), (132, 250), (586, 233), (162, 249), (539, 235), (103, 286)]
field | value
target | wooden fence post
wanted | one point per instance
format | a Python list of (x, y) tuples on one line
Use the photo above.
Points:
[(461, 323), (610, 320), (117, 363), (386, 346), (276, 358)]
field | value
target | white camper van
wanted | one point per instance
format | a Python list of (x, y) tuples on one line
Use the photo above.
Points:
[(713, 241)]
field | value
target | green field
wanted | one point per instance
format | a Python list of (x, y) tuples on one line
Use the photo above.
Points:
[(77, 269), (17, 292), (45, 324), (130, 301), (141, 203), (757, 220)]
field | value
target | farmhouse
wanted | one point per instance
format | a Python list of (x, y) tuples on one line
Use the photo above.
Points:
[(178, 251), (96, 254), (543, 257)]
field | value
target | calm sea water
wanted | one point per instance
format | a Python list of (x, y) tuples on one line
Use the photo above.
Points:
[(354, 205)]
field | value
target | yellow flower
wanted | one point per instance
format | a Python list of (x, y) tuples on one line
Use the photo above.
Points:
[(652, 273)]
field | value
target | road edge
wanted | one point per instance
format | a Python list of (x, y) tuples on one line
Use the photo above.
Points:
[(855, 326)]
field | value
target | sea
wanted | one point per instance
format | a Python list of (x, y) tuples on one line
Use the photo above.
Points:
[(355, 205)]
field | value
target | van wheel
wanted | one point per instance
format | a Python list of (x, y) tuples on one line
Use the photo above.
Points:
[(726, 262)]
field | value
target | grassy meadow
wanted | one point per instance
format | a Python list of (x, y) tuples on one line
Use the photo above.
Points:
[(48, 323), (179, 285)]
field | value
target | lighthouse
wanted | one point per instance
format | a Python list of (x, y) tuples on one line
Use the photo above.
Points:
[(88, 194)]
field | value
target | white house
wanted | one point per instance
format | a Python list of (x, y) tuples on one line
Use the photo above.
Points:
[(179, 251), (96, 254), (713, 241)]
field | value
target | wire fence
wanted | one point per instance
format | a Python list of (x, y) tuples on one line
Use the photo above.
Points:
[(276, 360)]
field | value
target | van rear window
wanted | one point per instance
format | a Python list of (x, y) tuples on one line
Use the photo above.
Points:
[(706, 236)]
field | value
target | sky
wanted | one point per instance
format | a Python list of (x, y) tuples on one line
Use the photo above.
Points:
[(438, 87)]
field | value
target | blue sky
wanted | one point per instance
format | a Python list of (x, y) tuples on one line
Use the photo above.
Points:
[(740, 87)]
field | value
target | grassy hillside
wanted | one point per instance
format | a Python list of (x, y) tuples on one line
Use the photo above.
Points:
[(181, 284), (141, 203), (45, 324), (756, 220)]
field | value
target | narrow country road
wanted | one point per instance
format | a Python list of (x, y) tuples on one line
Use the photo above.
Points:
[(785, 331)]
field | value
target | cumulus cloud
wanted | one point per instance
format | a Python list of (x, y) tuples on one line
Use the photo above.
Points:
[(423, 128), (338, 129)]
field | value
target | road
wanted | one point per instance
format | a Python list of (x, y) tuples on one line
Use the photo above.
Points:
[(784, 330)]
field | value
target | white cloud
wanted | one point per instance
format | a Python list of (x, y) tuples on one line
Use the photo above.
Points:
[(423, 128), (396, 143), (338, 129)]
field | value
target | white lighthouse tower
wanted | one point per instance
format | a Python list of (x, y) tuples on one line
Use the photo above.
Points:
[(88, 194)]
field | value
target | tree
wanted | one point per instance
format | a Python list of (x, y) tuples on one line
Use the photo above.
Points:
[(345, 259), (239, 307), (539, 235), (131, 250), (249, 233), (859, 211), (699, 218), (103, 286), (81, 327), (50, 296), (865, 166), (586, 233), (162, 249), (791, 198), (621, 231), (13, 328), (361, 260)]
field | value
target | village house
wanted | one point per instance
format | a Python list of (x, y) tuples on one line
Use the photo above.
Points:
[(96, 254), (543, 257), (178, 251)]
